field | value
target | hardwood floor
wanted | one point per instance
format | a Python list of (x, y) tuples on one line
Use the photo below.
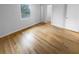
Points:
[(41, 38)]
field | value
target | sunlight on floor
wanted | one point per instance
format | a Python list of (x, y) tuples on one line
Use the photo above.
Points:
[(27, 40)]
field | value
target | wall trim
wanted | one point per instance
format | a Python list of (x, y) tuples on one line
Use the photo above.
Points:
[(19, 30)]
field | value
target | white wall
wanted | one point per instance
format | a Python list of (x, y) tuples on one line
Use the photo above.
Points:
[(43, 12), (49, 13), (11, 21), (66, 16), (1, 27), (72, 21), (58, 16), (46, 11)]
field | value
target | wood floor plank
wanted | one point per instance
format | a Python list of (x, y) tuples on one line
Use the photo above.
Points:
[(41, 39)]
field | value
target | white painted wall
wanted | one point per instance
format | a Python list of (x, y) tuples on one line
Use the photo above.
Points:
[(46, 11), (43, 12), (1, 26), (49, 12), (11, 21), (66, 16), (58, 16), (72, 21)]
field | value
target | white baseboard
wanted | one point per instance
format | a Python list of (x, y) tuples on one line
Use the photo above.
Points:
[(18, 30), (67, 28)]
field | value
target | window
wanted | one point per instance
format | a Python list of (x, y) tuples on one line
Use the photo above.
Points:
[(25, 11)]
